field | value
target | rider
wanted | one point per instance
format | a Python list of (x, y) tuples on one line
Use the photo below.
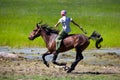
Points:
[(65, 21)]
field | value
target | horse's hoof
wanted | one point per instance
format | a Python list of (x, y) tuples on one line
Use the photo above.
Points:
[(47, 65), (70, 70)]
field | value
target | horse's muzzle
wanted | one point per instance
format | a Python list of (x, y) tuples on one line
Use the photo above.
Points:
[(30, 38)]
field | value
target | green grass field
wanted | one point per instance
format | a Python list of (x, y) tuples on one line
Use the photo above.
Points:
[(81, 77), (19, 17)]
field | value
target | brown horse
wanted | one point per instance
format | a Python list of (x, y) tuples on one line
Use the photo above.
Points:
[(77, 41)]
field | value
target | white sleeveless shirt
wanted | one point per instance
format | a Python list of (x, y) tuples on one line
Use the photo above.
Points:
[(65, 21)]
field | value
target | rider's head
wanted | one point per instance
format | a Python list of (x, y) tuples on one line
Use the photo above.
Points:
[(63, 13)]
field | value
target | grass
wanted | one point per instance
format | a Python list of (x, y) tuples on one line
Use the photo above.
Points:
[(19, 17), (81, 77)]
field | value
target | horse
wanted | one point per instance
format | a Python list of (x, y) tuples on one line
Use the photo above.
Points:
[(78, 41)]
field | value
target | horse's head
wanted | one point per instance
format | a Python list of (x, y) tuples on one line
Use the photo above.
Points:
[(40, 28), (35, 33)]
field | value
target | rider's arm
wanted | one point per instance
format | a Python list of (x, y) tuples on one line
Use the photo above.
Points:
[(57, 24), (78, 26)]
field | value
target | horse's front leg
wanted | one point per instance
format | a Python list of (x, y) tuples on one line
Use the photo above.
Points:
[(44, 60), (54, 60)]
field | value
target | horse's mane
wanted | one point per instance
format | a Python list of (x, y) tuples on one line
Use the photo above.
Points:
[(49, 30)]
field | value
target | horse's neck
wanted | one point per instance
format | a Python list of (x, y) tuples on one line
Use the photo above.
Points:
[(48, 38), (45, 37)]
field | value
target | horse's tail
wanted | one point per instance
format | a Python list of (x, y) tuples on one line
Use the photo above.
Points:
[(98, 38)]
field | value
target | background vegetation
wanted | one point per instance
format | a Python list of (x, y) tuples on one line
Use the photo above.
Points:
[(19, 17)]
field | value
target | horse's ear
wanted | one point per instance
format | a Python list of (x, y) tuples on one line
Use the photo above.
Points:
[(37, 25)]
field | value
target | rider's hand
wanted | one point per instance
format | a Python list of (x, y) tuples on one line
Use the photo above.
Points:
[(54, 25), (85, 32)]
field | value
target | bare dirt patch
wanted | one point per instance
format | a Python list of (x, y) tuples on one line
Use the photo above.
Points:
[(36, 67)]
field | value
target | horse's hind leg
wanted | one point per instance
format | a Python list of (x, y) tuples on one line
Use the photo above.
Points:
[(44, 60), (79, 57)]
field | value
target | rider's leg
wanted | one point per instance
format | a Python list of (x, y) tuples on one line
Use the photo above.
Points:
[(59, 38), (58, 43)]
